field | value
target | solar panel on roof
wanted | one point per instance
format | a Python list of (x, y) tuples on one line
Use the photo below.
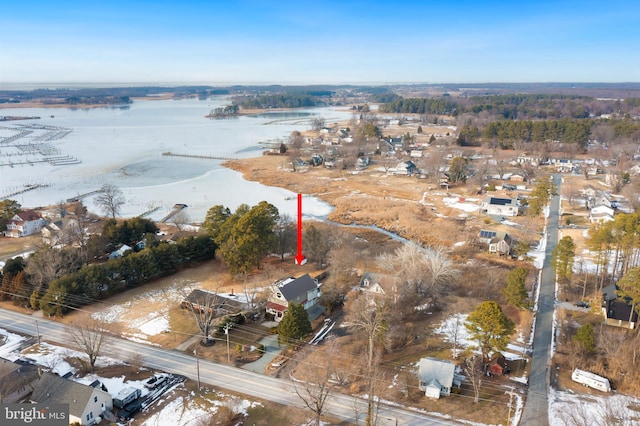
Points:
[(500, 201), (487, 234)]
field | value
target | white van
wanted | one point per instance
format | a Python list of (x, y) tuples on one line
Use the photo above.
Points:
[(592, 380)]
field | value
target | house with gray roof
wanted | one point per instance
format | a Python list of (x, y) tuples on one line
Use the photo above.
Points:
[(303, 290), (87, 405), (203, 299), (617, 311), (500, 206), (435, 377), (15, 380)]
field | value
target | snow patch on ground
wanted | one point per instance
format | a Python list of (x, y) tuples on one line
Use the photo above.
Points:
[(55, 358), (456, 203), (454, 331), (196, 410), (566, 408)]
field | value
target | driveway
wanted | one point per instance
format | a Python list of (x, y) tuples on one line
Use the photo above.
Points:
[(272, 350)]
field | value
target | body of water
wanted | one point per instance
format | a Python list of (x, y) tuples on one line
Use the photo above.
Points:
[(124, 146)]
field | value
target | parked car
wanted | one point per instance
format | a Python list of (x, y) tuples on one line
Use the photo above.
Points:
[(155, 381), (129, 410), (581, 304)]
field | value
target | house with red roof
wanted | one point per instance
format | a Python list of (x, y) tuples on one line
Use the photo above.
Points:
[(24, 223)]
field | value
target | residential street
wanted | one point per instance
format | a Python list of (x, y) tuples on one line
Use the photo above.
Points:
[(536, 408), (222, 376)]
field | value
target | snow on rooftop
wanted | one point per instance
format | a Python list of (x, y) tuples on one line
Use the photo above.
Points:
[(11, 343)]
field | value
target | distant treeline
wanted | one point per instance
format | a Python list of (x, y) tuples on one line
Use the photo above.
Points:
[(282, 101), (504, 132), (98, 100), (442, 106), (512, 106)]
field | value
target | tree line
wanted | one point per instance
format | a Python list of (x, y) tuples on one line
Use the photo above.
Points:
[(281, 101), (100, 280), (27, 280), (441, 106), (510, 106), (505, 133)]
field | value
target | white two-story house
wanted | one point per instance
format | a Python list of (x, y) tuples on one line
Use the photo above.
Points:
[(24, 223)]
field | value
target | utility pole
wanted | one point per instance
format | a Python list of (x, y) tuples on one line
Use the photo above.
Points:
[(38, 331), (228, 326), (197, 367), (511, 395)]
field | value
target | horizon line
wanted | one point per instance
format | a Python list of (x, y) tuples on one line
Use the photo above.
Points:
[(34, 85)]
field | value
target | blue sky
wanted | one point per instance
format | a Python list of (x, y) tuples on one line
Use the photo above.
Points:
[(286, 42)]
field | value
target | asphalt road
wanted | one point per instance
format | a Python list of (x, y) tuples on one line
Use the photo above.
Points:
[(536, 408), (342, 407)]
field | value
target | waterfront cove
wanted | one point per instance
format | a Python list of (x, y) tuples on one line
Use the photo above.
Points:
[(71, 153)]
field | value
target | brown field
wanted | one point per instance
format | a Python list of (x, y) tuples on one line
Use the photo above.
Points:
[(390, 202), (10, 247)]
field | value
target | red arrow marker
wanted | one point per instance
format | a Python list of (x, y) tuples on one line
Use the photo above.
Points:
[(300, 260)]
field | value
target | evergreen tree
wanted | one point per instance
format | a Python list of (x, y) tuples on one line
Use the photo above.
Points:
[(458, 170), (489, 327), (8, 209), (247, 236), (515, 293), (562, 258), (215, 218), (629, 289), (540, 197), (585, 337), (295, 324)]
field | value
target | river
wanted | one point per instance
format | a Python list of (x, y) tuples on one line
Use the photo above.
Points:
[(124, 146)]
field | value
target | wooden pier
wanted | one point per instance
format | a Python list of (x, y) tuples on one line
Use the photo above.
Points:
[(26, 188), (204, 157), (81, 196), (176, 208)]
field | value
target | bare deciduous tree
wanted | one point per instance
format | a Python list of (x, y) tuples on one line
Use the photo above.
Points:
[(454, 330), (251, 291), (110, 199), (632, 193), (422, 272), (316, 380), (180, 219), (473, 370), (285, 235), (90, 338), (369, 317), (202, 304), (47, 264)]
